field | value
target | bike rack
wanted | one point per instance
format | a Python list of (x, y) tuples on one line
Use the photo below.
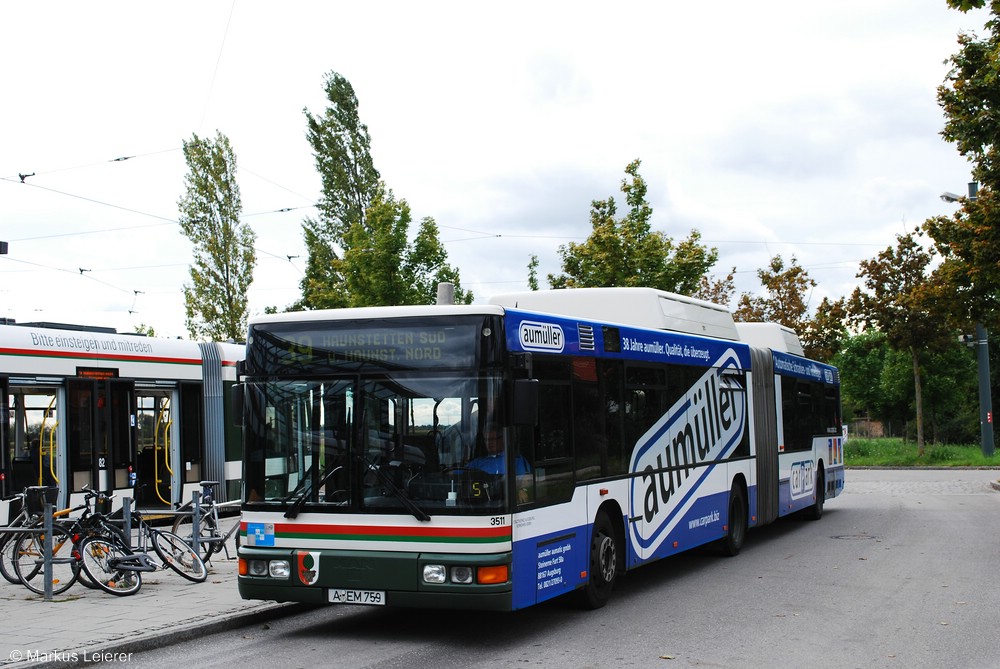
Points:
[(40, 500)]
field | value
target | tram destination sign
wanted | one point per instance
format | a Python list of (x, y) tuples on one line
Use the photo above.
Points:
[(98, 373)]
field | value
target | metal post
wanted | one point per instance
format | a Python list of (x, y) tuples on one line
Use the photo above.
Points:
[(127, 519), (47, 550), (985, 394), (195, 520)]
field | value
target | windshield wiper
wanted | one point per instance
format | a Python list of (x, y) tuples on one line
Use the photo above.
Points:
[(410, 505), (305, 485)]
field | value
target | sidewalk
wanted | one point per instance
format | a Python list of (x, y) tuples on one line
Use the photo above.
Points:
[(81, 626)]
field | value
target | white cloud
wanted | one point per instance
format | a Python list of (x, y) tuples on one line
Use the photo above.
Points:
[(780, 127)]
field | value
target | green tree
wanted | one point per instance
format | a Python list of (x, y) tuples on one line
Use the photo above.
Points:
[(877, 383), (786, 296), (903, 302), (358, 248), (628, 252), (970, 96), (215, 301), (861, 359), (951, 381), (533, 272), (969, 242), (719, 291), (824, 334)]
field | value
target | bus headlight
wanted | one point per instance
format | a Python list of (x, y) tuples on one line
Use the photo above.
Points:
[(257, 567), (435, 573), (279, 568), (461, 574)]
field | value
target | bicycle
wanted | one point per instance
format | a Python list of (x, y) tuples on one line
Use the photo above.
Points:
[(175, 552), (26, 550), (89, 545), (211, 539)]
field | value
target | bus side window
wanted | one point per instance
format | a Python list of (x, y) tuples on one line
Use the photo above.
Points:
[(549, 445), (553, 468)]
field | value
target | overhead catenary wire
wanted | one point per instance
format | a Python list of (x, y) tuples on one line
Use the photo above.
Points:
[(478, 235)]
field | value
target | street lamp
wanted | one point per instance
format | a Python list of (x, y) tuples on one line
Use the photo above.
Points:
[(981, 342)]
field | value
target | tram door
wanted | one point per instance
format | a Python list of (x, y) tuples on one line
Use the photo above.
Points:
[(32, 437), (156, 455), (100, 433)]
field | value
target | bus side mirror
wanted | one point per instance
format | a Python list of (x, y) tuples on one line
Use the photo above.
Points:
[(237, 404), (525, 406)]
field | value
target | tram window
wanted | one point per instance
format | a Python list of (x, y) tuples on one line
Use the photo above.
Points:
[(120, 428), (32, 437), (192, 430), (80, 419), (33, 422)]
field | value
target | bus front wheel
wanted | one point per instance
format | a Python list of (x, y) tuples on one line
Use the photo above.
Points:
[(603, 563)]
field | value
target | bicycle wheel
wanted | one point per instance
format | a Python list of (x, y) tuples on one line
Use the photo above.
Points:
[(7, 543), (178, 555), (7, 549), (28, 561), (99, 555), (208, 534)]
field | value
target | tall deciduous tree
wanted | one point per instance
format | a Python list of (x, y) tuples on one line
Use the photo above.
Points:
[(719, 291), (824, 334), (533, 272), (969, 242), (628, 252), (358, 245), (902, 301), (215, 301), (785, 299)]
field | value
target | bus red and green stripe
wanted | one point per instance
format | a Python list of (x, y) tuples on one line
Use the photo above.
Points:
[(440, 535)]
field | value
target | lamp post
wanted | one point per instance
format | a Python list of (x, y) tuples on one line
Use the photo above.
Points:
[(985, 394), (981, 342)]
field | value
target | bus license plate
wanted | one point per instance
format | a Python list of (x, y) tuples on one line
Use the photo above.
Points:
[(370, 597)]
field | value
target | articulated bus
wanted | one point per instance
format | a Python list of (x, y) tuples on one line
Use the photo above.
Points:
[(496, 456), (139, 416)]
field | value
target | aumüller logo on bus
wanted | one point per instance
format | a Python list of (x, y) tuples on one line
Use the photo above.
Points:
[(700, 428), (541, 336)]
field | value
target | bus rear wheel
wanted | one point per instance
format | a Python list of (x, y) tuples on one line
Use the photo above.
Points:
[(603, 563), (736, 530), (815, 512)]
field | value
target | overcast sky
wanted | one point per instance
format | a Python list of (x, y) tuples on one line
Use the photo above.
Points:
[(794, 128)]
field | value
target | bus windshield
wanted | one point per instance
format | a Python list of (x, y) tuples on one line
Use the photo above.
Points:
[(378, 440)]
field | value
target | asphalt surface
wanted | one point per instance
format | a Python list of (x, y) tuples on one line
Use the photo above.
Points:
[(83, 626)]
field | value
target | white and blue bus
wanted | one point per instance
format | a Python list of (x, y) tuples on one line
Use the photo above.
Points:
[(495, 456)]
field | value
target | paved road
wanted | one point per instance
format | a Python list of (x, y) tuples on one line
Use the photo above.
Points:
[(899, 573)]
